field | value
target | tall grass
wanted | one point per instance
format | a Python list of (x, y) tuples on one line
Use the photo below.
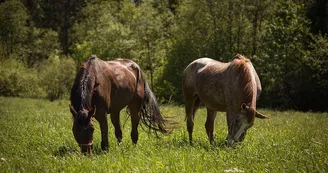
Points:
[(35, 136)]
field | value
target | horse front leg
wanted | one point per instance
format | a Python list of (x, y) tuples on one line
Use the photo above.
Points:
[(101, 117), (230, 122), (115, 118)]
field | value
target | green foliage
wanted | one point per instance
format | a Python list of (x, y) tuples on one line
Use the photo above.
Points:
[(284, 55), (13, 29), (137, 33), (102, 34), (42, 43), (18, 80), (58, 75), (282, 39), (52, 80), (315, 72), (288, 142), (205, 28)]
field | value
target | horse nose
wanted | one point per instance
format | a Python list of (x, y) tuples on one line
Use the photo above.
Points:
[(86, 150), (242, 137), (229, 141)]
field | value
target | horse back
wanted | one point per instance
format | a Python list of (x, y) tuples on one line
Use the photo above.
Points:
[(204, 78), (119, 81)]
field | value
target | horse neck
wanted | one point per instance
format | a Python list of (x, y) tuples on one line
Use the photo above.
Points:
[(246, 87), (84, 86)]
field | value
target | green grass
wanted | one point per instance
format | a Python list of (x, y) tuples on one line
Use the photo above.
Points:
[(36, 136)]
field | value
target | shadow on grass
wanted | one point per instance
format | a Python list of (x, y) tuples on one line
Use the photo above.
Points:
[(64, 150)]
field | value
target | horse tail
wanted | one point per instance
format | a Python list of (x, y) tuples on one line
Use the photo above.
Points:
[(150, 113)]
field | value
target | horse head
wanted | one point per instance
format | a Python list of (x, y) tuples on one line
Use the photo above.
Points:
[(83, 128), (242, 122)]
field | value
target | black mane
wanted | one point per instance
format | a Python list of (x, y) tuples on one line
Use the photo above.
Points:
[(81, 92)]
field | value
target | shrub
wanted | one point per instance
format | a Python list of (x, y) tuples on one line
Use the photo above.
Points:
[(18, 80), (57, 77)]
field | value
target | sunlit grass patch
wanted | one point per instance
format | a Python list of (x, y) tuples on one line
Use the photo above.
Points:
[(36, 136)]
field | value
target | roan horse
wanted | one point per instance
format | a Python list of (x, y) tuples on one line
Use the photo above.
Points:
[(106, 87), (230, 87)]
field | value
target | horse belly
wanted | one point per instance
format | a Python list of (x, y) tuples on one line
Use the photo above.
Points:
[(212, 97), (121, 98), (213, 103)]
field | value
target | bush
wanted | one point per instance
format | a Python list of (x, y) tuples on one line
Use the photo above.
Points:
[(18, 80), (57, 77)]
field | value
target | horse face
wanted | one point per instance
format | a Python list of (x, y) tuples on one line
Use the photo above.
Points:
[(243, 121), (83, 129)]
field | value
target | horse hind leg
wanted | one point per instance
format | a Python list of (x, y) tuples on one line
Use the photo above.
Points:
[(190, 108), (115, 118), (209, 125), (135, 119)]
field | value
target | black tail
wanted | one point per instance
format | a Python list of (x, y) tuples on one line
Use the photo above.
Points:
[(151, 115)]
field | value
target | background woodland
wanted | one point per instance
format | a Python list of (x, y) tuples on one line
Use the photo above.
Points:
[(44, 42)]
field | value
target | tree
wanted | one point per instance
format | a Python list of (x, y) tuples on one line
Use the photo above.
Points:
[(59, 15), (257, 11), (13, 27), (102, 32), (314, 93), (317, 12), (150, 29), (284, 54)]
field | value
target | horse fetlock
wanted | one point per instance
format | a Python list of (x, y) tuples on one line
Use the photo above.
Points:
[(134, 137), (119, 140), (104, 145), (118, 135)]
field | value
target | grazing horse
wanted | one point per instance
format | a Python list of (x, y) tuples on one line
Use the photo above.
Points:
[(106, 87), (230, 87)]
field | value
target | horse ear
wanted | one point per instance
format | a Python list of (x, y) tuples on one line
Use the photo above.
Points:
[(262, 116), (244, 106), (74, 113)]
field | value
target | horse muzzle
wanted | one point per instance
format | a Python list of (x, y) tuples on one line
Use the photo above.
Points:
[(86, 148)]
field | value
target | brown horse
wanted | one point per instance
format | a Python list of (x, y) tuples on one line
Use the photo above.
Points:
[(230, 87), (106, 87)]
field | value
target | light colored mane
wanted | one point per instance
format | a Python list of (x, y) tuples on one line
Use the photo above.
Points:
[(242, 72)]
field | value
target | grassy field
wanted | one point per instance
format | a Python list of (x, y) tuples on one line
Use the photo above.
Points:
[(35, 136)]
